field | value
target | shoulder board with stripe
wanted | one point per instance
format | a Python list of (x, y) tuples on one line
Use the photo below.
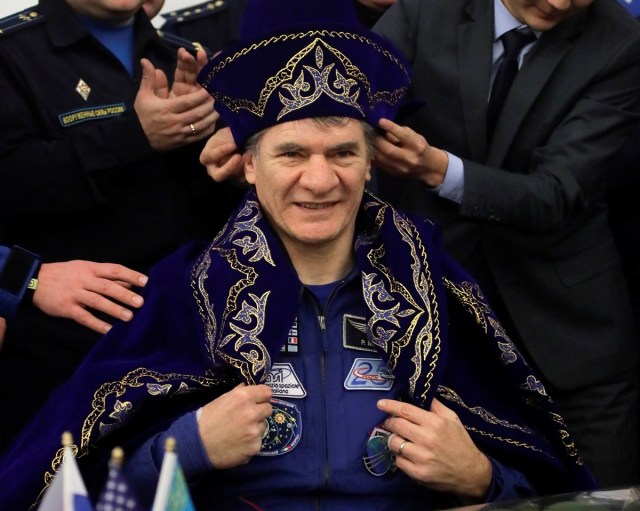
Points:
[(197, 11), (180, 42), (20, 20)]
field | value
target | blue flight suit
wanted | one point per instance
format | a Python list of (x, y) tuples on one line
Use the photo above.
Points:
[(326, 384)]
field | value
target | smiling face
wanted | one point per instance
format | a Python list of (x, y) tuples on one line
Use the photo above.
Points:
[(543, 15), (310, 176)]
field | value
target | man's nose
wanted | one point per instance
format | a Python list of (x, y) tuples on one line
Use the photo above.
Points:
[(319, 176)]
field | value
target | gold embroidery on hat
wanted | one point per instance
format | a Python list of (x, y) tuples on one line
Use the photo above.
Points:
[(338, 89), (285, 75)]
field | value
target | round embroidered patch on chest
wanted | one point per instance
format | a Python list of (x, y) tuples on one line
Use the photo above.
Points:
[(283, 429)]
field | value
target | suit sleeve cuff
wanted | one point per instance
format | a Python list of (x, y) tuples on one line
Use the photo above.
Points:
[(507, 484)]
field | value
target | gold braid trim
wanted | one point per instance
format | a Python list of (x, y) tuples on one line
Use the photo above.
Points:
[(506, 440), (99, 408), (286, 73)]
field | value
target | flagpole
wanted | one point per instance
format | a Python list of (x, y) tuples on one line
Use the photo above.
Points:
[(67, 491), (166, 475)]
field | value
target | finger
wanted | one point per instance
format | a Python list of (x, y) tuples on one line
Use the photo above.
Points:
[(232, 169), (397, 443), (206, 126), (205, 109), (401, 446), (206, 132), (85, 318), (147, 81), (161, 84), (387, 148), (216, 154), (185, 58), (264, 410), (392, 407), (190, 100), (261, 393), (201, 59), (120, 273), (202, 117), (101, 303), (394, 133), (223, 137), (212, 118), (390, 439), (439, 409), (405, 418), (383, 156), (197, 131), (187, 66), (389, 126), (108, 289), (390, 137)]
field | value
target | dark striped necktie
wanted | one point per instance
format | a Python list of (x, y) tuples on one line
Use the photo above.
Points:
[(513, 41)]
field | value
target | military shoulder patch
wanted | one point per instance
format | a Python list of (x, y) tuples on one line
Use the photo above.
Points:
[(194, 12), (180, 42), (14, 22)]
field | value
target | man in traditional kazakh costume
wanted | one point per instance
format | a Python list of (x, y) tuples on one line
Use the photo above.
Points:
[(322, 352)]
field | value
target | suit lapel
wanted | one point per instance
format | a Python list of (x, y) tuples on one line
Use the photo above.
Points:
[(474, 34), (536, 70)]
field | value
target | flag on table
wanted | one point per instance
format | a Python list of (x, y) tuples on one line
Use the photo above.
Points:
[(117, 494), (67, 491), (172, 493)]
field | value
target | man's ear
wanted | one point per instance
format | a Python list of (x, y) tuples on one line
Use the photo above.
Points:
[(249, 168)]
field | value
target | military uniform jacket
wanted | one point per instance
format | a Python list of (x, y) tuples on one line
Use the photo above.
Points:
[(78, 178), (214, 24)]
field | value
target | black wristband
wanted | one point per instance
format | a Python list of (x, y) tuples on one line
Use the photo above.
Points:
[(19, 269)]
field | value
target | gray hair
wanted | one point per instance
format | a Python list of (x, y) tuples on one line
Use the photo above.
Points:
[(333, 120)]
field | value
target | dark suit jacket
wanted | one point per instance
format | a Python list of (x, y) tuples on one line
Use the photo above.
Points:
[(532, 225)]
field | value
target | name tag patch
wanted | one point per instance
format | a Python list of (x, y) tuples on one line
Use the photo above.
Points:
[(369, 374), (354, 334), (91, 114), (284, 382)]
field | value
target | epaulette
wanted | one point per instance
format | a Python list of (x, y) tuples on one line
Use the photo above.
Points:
[(181, 42), (197, 11), (19, 20)]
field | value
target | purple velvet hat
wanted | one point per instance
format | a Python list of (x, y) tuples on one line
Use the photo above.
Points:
[(304, 58)]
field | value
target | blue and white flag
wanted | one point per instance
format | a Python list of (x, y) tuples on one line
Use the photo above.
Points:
[(172, 493), (67, 491), (117, 494)]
